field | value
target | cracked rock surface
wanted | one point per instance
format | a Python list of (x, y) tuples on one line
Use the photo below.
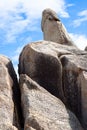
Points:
[(58, 68), (43, 111), (9, 94), (51, 91)]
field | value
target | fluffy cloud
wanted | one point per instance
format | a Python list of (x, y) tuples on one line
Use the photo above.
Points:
[(80, 40), (17, 17), (83, 18), (33, 8)]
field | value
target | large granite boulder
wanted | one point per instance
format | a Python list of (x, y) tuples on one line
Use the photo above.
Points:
[(43, 111), (57, 68), (9, 104), (43, 67)]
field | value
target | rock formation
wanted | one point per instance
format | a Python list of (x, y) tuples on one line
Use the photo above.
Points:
[(52, 86), (43, 111), (82, 79), (58, 69), (86, 49), (9, 114), (45, 69), (53, 29)]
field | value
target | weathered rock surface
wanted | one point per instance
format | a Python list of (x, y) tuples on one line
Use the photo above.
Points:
[(49, 72), (82, 79), (57, 67), (43, 111), (73, 65), (8, 83), (43, 67), (86, 49), (53, 29)]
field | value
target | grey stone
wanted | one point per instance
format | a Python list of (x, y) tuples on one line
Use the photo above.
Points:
[(8, 82), (73, 65), (53, 29), (7, 126), (42, 66), (82, 81), (86, 48), (57, 68), (43, 111)]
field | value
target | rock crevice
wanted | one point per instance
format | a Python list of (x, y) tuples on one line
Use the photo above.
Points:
[(10, 108)]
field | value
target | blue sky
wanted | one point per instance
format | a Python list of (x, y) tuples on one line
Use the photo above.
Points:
[(20, 23)]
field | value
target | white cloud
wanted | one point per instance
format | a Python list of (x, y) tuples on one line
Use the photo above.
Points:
[(70, 5), (17, 16), (15, 57), (83, 18), (17, 52), (83, 13), (80, 40)]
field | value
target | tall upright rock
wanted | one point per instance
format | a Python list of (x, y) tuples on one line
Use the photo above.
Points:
[(53, 29)]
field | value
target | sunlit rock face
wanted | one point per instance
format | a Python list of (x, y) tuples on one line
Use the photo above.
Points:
[(9, 96), (53, 29)]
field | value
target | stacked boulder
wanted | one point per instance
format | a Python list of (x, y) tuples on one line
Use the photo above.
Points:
[(51, 93), (61, 70)]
